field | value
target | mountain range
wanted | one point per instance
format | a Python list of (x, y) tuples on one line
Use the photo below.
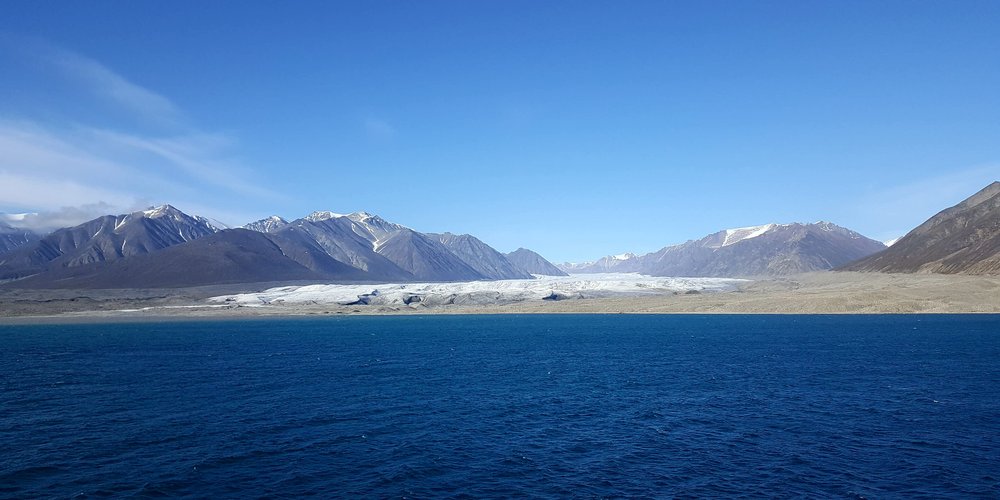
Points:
[(164, 247), (390, 251), (770, 249), (104, 239)]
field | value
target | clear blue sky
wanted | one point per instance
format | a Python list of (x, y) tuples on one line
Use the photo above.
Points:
[(577, 129)]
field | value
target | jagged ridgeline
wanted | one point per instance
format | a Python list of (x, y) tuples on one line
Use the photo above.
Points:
[(164, 247)]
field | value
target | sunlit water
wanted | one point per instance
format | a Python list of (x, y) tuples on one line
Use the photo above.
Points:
[(505, 406)]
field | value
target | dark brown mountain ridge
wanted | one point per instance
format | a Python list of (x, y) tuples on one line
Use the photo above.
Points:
[(963, 239)]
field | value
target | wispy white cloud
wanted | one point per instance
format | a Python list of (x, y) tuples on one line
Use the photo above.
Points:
[(45, 168), (110, 86), (31, 148), (42, 193), (67, 171), (198, 156), (49, 220)]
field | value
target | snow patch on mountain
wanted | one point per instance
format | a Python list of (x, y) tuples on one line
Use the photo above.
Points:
[(169, 211), (322, 215), (267, 225), (739, 234), (378, 227), (161, 211)]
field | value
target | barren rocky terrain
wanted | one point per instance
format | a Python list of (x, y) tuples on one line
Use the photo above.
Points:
[(813, 293)]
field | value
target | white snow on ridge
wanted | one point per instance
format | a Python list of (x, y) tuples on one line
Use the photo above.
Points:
[(739, 234), (375, 225), (891, 242), (155, 212), (481, 292), (322, 215)]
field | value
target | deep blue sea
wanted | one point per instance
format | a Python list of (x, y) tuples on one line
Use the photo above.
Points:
[(504, 406)]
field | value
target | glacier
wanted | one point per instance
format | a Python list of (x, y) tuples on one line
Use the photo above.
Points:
[(479, 292)]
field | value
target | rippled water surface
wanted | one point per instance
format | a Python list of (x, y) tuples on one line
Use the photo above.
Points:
[(505, 406)]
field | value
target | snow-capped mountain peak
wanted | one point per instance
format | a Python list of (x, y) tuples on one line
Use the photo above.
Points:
[(161, 211), (830, 227), (369, 218), (322, 215), (267, 225), (171, 212), (891, 242), (624, 256)]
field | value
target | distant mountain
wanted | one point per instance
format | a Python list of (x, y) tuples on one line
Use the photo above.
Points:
[(532, 263), (621, 263), (481, 257), (963, 239), (104, 239), (268, 225), (770, 249), (12, 237), (229, 256)]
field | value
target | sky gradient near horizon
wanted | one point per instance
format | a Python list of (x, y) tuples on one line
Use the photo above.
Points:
[(576, 129)]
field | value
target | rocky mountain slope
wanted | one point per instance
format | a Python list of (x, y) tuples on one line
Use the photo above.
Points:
[(533, 263), (229, 256), (12, 237), (481, 257), (963, 239), (341, 239), (424, 257)]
